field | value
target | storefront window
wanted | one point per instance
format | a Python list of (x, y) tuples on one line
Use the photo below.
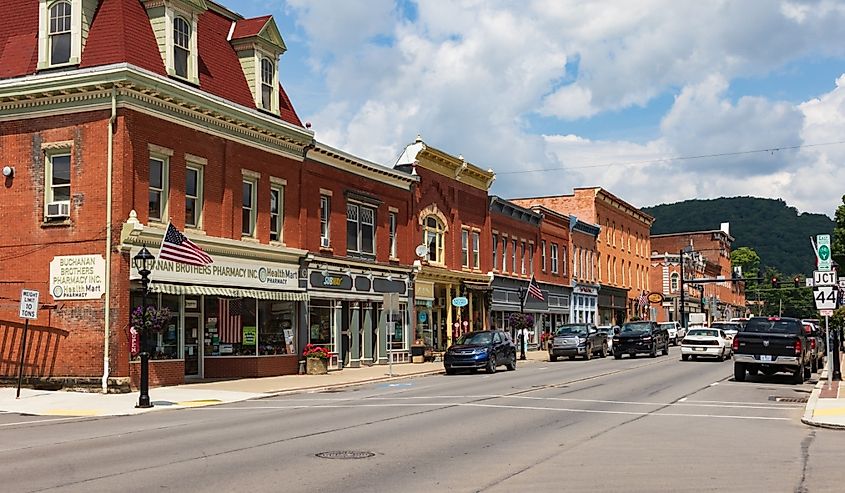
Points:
[(275, 332), (320, 320)]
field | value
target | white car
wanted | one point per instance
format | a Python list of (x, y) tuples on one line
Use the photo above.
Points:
[(674, 329), (730, 328), (707, 342), (609, 330)]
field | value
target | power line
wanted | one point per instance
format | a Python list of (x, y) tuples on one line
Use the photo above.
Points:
[(771, 150)]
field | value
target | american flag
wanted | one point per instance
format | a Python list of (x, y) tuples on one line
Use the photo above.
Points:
[(642, 301), (534, 289), (229, 320), (177, 247)]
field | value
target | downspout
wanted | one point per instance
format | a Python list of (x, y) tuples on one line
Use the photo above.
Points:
[(110, 159)]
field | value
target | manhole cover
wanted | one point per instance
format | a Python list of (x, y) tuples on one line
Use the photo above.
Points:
[(797, 400), (345, 454)]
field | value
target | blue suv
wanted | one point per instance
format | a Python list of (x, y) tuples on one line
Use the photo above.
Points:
[(479, 349)]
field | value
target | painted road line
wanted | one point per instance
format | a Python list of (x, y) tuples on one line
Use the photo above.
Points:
[(40, 421), (833, 411)]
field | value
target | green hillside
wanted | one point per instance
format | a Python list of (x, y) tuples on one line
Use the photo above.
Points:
[(779, 234)]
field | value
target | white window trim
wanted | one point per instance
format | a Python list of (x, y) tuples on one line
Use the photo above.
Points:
[(165, 187), (50, 153), (195, 164), (280, 219), (440, 240), (475, 248), (193, 58), (359, 248), (274, 91), (253, 212), (531, 257), (543, 254), (465, 248), (554, 252), (495, 237), (44, 34), (325, 239), (392, 231)]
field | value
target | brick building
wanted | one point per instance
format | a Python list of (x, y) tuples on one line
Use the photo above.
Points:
[(187, 124), (622, 246), (706, 255)]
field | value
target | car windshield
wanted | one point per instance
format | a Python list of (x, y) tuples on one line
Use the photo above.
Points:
[(774, 325), (605, 330), (703, 333), (568, 330), (724, 326), (476, 338), (667, 326), (636, 327)]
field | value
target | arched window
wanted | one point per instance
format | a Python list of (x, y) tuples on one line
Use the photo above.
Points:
[(433, 231), (267, 73), (181, 46), (674, 281), (60, 15)]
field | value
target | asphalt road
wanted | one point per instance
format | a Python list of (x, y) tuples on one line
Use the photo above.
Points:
[(602, 425)]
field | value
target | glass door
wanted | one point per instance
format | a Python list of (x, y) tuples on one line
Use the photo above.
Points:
[(192, 338)]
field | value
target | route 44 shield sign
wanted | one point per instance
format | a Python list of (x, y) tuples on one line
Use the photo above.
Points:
[(825, 297)]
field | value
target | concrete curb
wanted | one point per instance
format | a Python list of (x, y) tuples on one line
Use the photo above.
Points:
[(810, 409), (351, 384)]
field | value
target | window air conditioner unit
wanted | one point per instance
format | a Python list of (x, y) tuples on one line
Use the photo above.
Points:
[(324, 242), (58, 209)]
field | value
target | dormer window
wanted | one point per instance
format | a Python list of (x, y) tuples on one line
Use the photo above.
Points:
[(268, 71), (59, 34), (181, 46)]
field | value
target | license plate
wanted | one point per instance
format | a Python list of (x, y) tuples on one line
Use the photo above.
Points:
[(698, 349), (765, 357)]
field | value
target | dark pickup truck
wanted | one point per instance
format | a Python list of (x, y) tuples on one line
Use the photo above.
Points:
[(771, 345)]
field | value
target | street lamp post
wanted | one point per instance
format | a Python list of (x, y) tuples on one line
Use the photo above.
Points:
[(522, 293), (143, 261), (686, 249)]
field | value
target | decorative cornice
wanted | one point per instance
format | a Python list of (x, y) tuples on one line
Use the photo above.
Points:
[(509, 209), (455, 167), (336, 158)]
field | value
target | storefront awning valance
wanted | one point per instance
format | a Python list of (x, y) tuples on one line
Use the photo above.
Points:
[(260, 294)]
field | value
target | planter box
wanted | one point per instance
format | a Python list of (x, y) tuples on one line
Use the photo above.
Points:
[(316, 366)]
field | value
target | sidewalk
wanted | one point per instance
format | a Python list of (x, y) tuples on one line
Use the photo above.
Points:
[(826, 407), (62, 403)]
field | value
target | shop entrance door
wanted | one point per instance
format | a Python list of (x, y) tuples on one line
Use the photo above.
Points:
[(192, 337)]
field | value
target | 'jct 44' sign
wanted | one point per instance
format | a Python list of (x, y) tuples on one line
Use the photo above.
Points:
[(825, 297)]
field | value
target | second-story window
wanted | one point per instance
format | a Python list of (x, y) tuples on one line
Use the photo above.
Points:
[(325, 208), (563, 261), (543, 254), (181, 46), (554, 258), (675, 281), (476, 240), (248, 208), (158, 189), (267, 76), (504, 254), (60, 33), (277, 212), (514, 245), (360, 229), (434, 230), (495, 251), (465, 248), (531, 258), (392, 219), (58, 187), (193, 196), (522, 258)]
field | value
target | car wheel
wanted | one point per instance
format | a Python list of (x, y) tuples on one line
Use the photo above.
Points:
[(814, 365), (617, 355), (552, 357), (684, 357), (450, 371), (666, 349), (511, 366), (752, 371), (604, 351), (807, 373), (588, 352), (693, 357), (798, 375), (675, 341), (653, 352), (491, 364), (739, 372), (721, 357)]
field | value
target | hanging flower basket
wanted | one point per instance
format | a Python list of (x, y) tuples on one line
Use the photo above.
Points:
[(152, 319)]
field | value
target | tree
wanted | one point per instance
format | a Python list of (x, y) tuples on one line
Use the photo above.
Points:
[(748, 259), (838, 241)]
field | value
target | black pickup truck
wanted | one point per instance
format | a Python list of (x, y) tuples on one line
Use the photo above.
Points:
[(771, 345)]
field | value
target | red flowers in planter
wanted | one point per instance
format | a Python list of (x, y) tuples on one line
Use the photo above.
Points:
[(314, 351)]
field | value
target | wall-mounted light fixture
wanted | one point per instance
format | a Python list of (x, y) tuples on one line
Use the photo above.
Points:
[(8, 171)]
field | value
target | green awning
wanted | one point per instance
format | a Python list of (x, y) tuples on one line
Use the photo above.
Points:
[(260, 294)]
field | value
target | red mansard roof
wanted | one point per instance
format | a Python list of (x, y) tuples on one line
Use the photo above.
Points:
[(247, 28), (121, 33)]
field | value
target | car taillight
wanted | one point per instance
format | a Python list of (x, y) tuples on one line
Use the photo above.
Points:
[(735, 344), (798, 346)]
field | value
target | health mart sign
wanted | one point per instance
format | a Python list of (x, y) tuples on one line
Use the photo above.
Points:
[(225, 271), (78, 277)]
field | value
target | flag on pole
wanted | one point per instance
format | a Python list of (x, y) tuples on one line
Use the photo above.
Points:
[(177, 247), (534, 289), (229, 320), (642, 301)]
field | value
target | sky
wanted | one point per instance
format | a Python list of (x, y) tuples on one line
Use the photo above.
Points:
[(657, 101)]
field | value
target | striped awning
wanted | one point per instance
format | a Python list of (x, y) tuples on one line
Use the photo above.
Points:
[(260, 294)]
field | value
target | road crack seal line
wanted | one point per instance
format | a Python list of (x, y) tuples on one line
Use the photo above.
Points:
[(805, 459)]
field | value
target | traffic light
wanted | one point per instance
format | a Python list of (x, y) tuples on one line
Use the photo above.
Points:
[(797, 282), (774, 282)]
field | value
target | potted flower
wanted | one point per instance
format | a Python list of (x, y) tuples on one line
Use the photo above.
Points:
[(150, 321), (316, 359)]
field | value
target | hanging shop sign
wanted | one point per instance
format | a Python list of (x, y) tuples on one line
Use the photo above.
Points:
[(655, 297), (78, 277), (225, 271)]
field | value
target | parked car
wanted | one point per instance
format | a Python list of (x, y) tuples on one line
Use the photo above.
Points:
[(730, 328), (711, 343), (674, 332), (577, 340), (640, 337), (817, 345), (608, 330), (771, 345), (741, 320), (479, 349)]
